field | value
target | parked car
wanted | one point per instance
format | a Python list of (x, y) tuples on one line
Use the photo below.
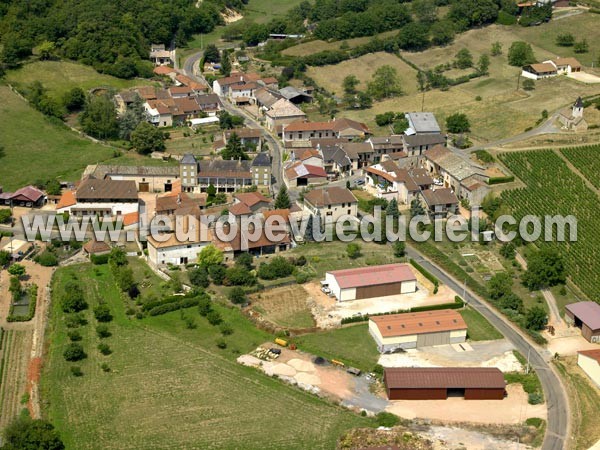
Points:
[(359, 182), (353, 371), (275, 351), (326, 290)]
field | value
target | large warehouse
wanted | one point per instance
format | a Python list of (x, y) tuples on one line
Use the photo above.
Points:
[(433, 383), (585, 315), (369, 282), (421, 329)]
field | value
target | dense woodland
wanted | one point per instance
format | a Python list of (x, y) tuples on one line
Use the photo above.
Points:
[(112, 36)]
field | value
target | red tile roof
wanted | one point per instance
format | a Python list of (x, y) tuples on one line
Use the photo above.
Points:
[(300, 170), (373, 275), (163, 70), (67, 199), (333, 195), (594, 354), (240, 209), (587, 312), (444, 378), (251, 198), (28, 194), (418, 323)]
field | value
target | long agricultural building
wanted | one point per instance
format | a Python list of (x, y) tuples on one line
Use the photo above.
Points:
[(370, 282), (421, 329), (586, 316), (439, 383)]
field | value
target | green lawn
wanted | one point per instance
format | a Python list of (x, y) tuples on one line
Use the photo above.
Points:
[(479, 329), (171, 387), (60, 76), (352, 345), (36, 148)]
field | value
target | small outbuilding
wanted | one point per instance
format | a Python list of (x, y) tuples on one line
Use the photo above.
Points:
[(369, 282), (585, 315), (420, 329), (589, 361), (439, 383), (94, 247)]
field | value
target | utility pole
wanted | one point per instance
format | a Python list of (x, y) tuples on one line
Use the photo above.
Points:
[(528, 353)]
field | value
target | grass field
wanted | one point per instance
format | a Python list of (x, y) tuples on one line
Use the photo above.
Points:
[(331, 77), (479, 329), (585, 403), (60, 76), (332, 256), (171, 387), (285, 306), (353, 345), (308, 48), (199, 144), (39, 149)]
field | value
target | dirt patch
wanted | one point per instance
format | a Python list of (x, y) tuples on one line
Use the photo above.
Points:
[(286, 307), (584, 77)]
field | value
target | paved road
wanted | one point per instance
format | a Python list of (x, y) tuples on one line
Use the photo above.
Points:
[(558, 413), (251, 122)]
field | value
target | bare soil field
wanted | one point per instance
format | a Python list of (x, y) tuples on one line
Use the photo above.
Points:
[(286, 306)]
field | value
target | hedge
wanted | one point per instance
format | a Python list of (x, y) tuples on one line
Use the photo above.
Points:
[(32, 303), (99, 259), (425, 272), (500, 180), (457, 304), (174, 306)]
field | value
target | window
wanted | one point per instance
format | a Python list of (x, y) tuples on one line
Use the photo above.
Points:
[(349, 211)]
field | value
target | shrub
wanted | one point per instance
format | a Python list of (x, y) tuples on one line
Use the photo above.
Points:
[(105, 367), (221, 344), (74, 352), (102, 331), (239, 276), (47, 259), (72, 299), (99, 259), (75, 320), (217, 273), (204, 306), (76, 371), (535, 398), (386, 419), (237, 296), (74, 335), (226, 329), (102, 313), (279, 267), (214, 318), (199, 277), (353, 250), (104, 348)]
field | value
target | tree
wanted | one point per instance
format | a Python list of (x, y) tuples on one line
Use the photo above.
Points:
[(353, 250), (244, 260), (414, 37), (399, 248), (545, 267), (228, 121), (217, 273), (4, 258), (74, 352), (474, 12), (349, 84), (18, 270), (72, 299), (210, 256), (199, 277), (24, 433), (211, 53), (496, 48), (500, 285), (46, 49), (237, 296), (147, 138), (442, 32), (565, 40), (458, 123), (233, 150), (464, 59), (124, 278), (581, 46), (511, 301), (46, 259), (385, 118), (225, 64), (483, 64), (282, 201), (385, 84), (392, 209), (99, 117), (133, 116), (2, 150), (416, 208), (254, 34), (74, 99), (425, 10), (239, 276), (536, 318), (528, 84), (102, 313), (520, 53), (5, 216)]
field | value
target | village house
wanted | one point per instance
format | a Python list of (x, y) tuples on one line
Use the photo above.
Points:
[(261, 170), (452, 171), (299, 174), (337, 128), (28, 196), (351, 129), (387, 180), (250, 138), (179, 204), (385, 145), (265, 242), (335, 161), (255, 201), (359, 153), (265, 98), (308, 156), (296, 96), (105, 198), (440, 202), (551, 68), (421, 123), (146, 178), (331, 203), (282, 112), (160, 56), (589, 361), (170, 250), (418, 144)]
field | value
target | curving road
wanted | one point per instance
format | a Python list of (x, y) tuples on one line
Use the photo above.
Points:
[(274, 146), (557, 431)]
